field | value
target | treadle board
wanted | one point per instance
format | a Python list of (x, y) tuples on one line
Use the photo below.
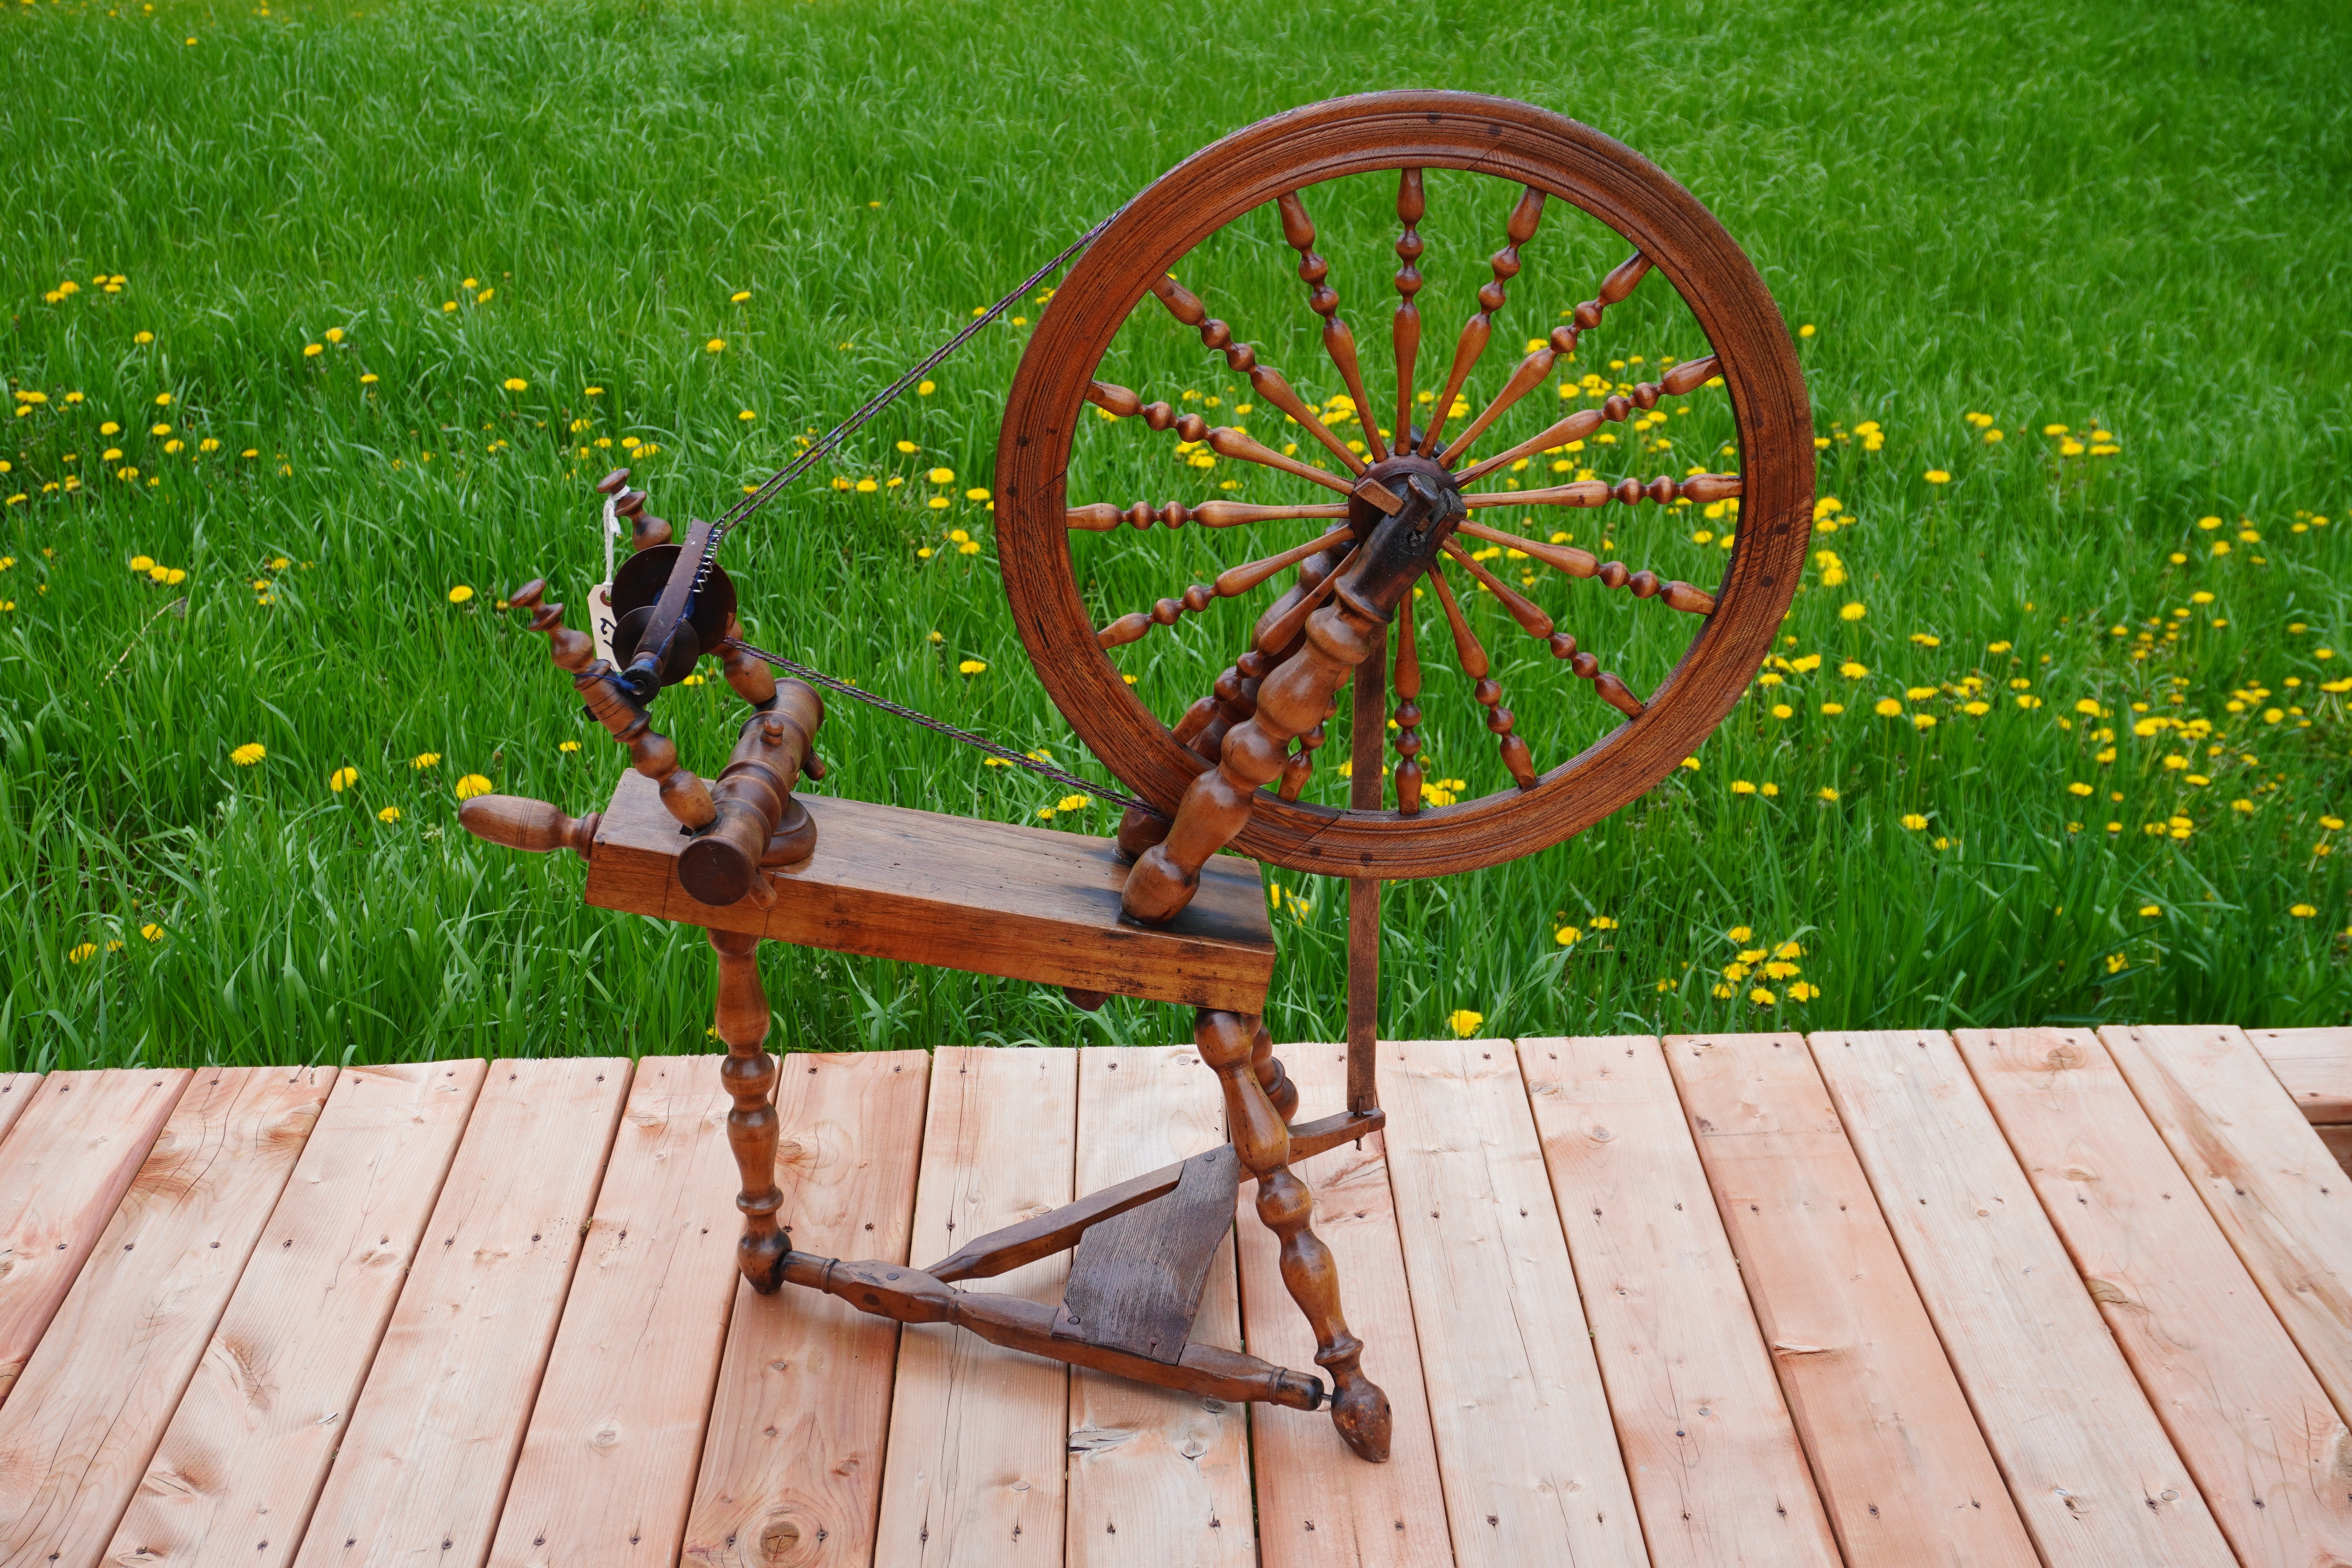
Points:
[(15, 1093), (988, 897), (2258, 1435), (1136, 1279), (2315, 1066)]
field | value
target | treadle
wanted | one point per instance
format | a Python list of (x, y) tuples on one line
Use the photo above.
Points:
[(1136, 1280)]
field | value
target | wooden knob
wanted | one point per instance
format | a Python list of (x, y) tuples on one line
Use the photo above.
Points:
[(520, 822), (611, 483)]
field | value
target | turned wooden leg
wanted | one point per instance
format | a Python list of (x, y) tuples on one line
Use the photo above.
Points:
[(1261, 1138), (1270, 1076), (750, 1075)]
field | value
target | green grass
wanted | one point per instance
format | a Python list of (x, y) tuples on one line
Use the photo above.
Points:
[(2091, 216)]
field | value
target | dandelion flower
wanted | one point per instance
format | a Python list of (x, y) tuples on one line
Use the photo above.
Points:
[(1915, 822), (716, 345), (941, 476), (342, 779), (1938, 476), (1853, 611), (1887, 708), (1761, 997), (248, 754), (1740, 933), (82, 953), (924, 389), (424, 760), (2151, 912), (1464, 1022), (471, 786), (971, 667), (389, 813), (461, 593), (2302, 911), (1741, 787)]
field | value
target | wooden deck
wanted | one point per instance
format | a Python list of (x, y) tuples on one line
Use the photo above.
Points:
[(2044, 1297)]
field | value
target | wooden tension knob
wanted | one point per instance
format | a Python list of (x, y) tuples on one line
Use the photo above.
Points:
[(757, 822), (520, 822)]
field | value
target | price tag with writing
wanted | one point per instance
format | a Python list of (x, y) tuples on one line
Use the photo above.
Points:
[(600, 619)]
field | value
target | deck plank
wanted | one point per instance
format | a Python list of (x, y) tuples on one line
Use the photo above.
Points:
[(241, 1462), (1894, 1451), (1155, 1476), (2315, 1066), (62, 1171), (792, 1465), (1526, 1452), (1716, 1468), (94, 1399), (977, 1433), (607, 1465), (2249, 1419), (15, 1093), (2266, 1178), (1318, 1505), (431, 1445), (2093, 1473)]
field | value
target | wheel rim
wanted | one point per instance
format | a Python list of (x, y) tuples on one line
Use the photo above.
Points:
[(1257, 165)]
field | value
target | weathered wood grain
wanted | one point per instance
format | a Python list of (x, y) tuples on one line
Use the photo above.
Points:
[(2250, 1421), (607, 1465), (234, 1476), (430, 1447), (2337, 1141), (1318, 1505), (1529, 1462), (93, 1401), (1018, 902), (977, 1433), (792, 1465), (1716, 1468), (1894, 1449), (2268, 1181), (2315, 1066), (62, 1171), (1155, 1476), (2094, 1476), (15, 1093)]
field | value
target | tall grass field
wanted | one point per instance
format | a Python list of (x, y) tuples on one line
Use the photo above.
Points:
[(321, 320)]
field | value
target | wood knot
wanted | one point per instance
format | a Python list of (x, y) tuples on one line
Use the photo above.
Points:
[(778, 1537)]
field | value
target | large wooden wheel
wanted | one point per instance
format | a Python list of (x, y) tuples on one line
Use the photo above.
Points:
[(1535, 156)]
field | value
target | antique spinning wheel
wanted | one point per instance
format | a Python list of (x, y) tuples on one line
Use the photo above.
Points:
[(1376, 518), (1533, 157)]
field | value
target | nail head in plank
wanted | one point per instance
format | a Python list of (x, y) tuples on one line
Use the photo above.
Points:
[(15, 1093), (1023, 902), (1318, 1505), (1155, 1476), (432, 1443), (1528, 1459), (2094, 1476), (2251, 1422), (1716, 1468), (1894, 1451), (2266, 1178), (2315, 1066), (607, 1465), (249, 1445), (792, 1465), (94, 1400), (977, 1433), (62, 1171)]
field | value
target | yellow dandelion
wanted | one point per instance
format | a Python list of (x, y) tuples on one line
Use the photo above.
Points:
[(1915, 822), (313, 351), (471, 786), (941, 476), (248, 754), (2302, 911), (82, 953), (424, 760), (342, 779), (971, 667), (1464, 1022), (1938, 476), (1568, 936), (716, 345), (1854, 610), (461, 593)]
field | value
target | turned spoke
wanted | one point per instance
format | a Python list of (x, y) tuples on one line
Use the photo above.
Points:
[(1323, 300), (1229, 584), (1522, 609), (1408, 712), (1529, 376), (1620, 281), (1699, 489), (1405, 333), (1488, 693), (1576, 563), (1472, 343), (1101, 517), (1266, 381)]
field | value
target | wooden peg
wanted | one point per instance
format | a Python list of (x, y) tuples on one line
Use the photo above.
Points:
[(518, 822), (612, 483), (752, 803), (572, 650)]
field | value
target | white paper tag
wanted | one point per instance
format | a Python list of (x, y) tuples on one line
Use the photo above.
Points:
[(600, 620)]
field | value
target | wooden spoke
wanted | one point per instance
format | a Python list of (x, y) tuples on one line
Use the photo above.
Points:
[(1489, 694), (1101, 517), (1405, 333), (1276, 632), (1620, 281), (1228, 442), (1323, 300), (1676, 382), (1229, 584), (1701, 489), (1408, 714), (1472, 343), (1576, 563), (1522, 609), (1266, 381), (1529, 376), (1576, 427), (1614, 691)]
